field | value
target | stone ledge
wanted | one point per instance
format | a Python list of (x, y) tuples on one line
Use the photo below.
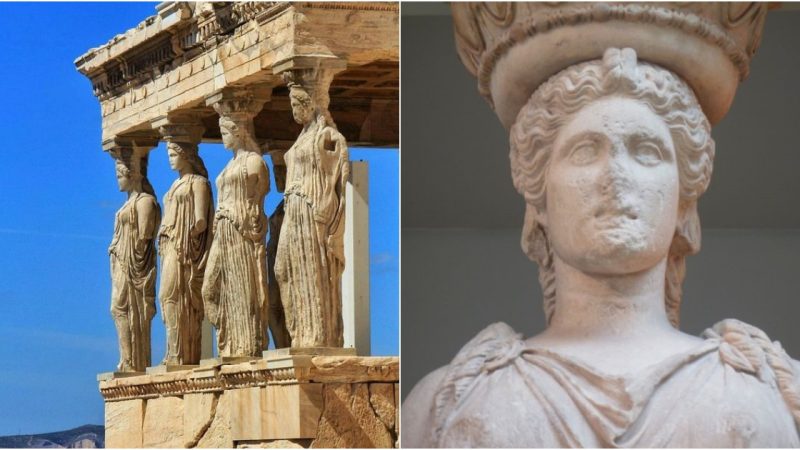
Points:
[(290, 369), (331, 402)]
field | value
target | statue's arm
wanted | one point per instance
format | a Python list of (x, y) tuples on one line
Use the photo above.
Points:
[(202, 198), (146, 212), (417, 411), (257, 173)]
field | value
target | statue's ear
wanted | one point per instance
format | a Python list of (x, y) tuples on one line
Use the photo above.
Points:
[(687, 230)]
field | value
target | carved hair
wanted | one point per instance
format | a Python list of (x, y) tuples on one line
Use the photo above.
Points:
[(189, 152), (618, 74)]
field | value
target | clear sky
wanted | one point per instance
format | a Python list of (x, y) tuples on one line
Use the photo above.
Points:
[(58, 197)]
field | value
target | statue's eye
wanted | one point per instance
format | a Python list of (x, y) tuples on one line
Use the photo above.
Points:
[(584, 153), (647, 153)]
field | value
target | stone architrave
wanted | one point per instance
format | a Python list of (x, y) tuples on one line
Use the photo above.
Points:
[(310, 257), (611, 154), (234, 290), (133, 255), (184, 240), (276, 316)]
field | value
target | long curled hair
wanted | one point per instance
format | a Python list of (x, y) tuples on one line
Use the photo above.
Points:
[(618, 74)]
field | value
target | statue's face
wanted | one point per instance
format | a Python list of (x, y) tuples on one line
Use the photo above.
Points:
[(229, 138), (123, 178), (612, 189), (302, 110), (176, 160)]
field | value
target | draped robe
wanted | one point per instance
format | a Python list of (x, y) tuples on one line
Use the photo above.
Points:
[(501, 391)]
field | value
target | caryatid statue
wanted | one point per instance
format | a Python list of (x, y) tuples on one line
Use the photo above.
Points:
[(235, 292), (611, 156), (275, 314), (310, 257), (184, 241), (133, 258)]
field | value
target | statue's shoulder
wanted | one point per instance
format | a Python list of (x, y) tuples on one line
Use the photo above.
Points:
[(145, 202), (748, 349), (430, 402), (255, 162)]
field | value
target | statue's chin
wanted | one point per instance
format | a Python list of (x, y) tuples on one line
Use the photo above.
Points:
[(618, 251)]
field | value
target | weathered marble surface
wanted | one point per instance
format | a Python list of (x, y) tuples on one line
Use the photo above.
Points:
[(184, 240), (293, 401), (611, 156), (133, 259), (235, 286), (310, 256)]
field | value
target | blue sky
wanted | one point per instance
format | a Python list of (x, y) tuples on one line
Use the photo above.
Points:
[(58, 196)]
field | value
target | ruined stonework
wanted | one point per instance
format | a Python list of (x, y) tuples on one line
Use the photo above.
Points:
[(302, 401), (297, 79)]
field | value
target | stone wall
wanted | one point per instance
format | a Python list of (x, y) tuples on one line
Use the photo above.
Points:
[(293, 401)]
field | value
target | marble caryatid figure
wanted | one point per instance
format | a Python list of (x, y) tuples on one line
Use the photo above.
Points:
[(310, 257), (611, 156), (235, 285), (276, 317), (183, 243), (133, 260)]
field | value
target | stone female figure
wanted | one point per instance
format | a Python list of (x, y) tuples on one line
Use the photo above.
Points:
[(184, 240), (310, 257), (235, 286), (133, 262), (611, 157)]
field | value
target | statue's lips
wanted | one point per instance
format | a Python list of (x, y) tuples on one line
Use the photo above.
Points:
[(604, 213), (614, 218)]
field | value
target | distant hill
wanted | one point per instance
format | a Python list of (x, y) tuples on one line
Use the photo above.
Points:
[(86, 436)]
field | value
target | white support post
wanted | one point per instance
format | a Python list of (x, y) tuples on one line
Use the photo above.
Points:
[(355, 279)]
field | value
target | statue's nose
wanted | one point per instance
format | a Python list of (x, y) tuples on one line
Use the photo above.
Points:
[(616, 172)]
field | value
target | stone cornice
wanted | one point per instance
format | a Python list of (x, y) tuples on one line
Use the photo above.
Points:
[(178, 28), (285, 370), (355, 6)]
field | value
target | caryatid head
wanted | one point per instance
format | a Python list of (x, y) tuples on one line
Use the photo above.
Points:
[(611, 156)]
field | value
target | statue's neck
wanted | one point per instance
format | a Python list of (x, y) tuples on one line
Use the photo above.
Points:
[(135, 190), (311, 122), (592, 306)]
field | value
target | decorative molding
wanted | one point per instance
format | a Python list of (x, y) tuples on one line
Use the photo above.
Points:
[(168, 49), (288, 370), (356, 6)]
